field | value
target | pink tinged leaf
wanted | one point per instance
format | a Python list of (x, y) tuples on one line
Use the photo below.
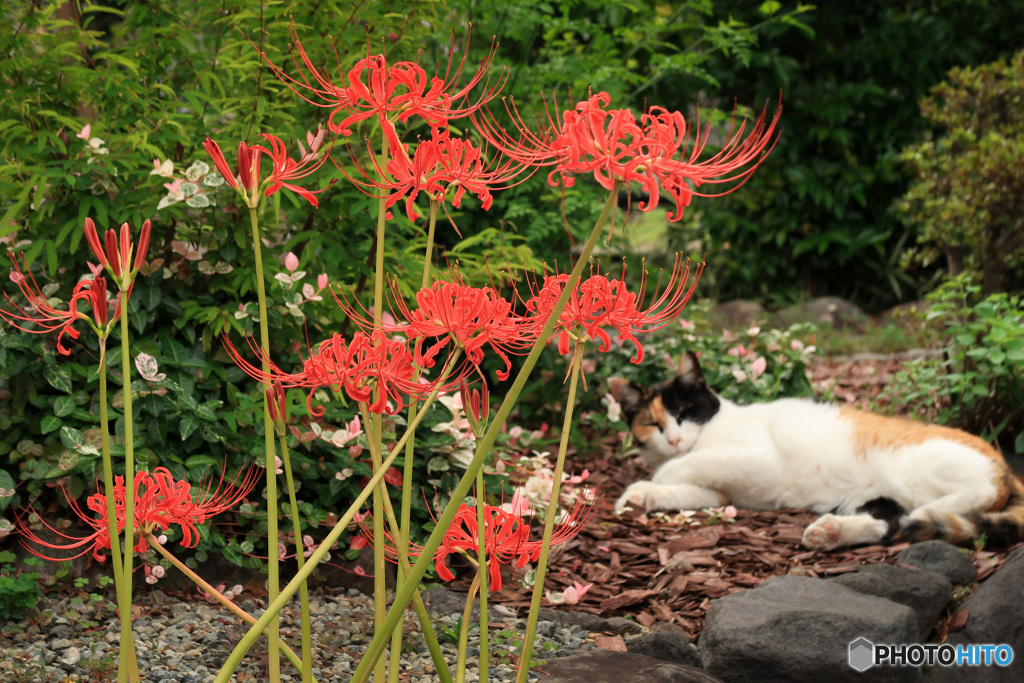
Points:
[(308, 291), (358, 543), (570, 596), (291, 262), (86, 132), (147, 367), (321, 280), (758, 366)]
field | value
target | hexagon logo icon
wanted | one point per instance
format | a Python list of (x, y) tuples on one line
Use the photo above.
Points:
[(862, 654)]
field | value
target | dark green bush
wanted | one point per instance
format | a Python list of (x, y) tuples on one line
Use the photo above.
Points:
[(968, 195)]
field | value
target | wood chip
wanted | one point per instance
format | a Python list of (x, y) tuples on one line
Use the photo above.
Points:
[(613, 643)]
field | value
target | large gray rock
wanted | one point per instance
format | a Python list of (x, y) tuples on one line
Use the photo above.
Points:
[(923, 591), (736, 314), (942, 558), (666, 645), (828, 311), (796, 629), (606, 666), (995, 616)]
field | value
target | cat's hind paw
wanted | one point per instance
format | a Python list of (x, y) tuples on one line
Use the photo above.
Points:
[(823, 534)]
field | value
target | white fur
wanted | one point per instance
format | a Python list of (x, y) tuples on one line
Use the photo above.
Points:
[(798, 453)]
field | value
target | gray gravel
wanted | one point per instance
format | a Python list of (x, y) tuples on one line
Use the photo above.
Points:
[(65, 641)]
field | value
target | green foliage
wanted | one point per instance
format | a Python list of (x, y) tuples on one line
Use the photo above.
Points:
[(639, 53), (18, 590), (151, 81), (978, 384), (816, 216), (968, 194)]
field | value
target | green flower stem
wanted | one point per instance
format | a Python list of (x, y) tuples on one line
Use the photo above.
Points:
[(124, 598), (307, 642), (273, 570), (275, 607), (223, 600), (481, 553), (404, 528), (484, 446), (374, 427), (467, 616), (130, 666), (526, 652)]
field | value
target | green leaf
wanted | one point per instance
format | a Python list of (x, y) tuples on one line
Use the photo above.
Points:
[(64, 406), (50, 423), (187, 426), (57, 377), (71, 437), (201, 461), (1018, 445)]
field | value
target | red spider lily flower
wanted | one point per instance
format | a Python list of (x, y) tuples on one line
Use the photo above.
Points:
[(248, 165), (654, 151), (48, 318), (440, 167), (119, 250), (598, 303), (506, 538), (287, 169), (160, 501), (455, 313), (358, 366), (374, 88), (476, 402)]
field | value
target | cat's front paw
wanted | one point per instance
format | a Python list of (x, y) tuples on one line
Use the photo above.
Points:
[(641, 495), (823, 534)]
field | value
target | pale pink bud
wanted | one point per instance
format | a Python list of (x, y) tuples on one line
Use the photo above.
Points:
[(321, 280), (291, 262)]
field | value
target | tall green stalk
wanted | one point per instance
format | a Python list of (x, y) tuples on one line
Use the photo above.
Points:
[(549, 522), (129, 665), (307, 642), (274, 608), (124, 597), (481, 553), (405, 530), (484, 446), (375, 428), (273, 569)]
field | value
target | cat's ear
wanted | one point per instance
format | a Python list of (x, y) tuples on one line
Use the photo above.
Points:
[(624, 391), (689, 372)]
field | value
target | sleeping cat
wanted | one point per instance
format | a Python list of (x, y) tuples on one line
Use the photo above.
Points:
[(875, 479)]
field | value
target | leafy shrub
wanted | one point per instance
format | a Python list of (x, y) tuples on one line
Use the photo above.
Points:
[(968, 193), (18, 590), (978, 384)]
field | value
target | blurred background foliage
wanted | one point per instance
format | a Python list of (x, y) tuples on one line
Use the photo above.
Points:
[(860, 176)]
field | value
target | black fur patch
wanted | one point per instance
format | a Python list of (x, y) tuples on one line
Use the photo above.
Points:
[(887, 510), (1002, 532), (689, 403)]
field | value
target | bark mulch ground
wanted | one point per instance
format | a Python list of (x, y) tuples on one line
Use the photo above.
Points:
[(667, 567)]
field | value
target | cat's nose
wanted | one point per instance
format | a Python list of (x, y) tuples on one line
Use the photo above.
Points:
[(674, 441)]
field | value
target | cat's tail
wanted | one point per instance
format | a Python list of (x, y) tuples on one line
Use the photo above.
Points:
[(999, 528), (1005, 527)]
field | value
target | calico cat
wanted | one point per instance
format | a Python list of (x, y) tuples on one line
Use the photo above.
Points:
[(875, 479)]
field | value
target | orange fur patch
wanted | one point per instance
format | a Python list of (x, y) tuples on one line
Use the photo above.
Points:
[(649, 420), (872, 431)]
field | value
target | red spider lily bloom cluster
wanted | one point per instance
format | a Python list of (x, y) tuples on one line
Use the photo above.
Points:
[(118, 253), (506, 538), (373, 87), (440, 167), (598, 303), (655, 151), (46, 317), (160, 502), (365, 363), (284, 172), (453, 313)]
